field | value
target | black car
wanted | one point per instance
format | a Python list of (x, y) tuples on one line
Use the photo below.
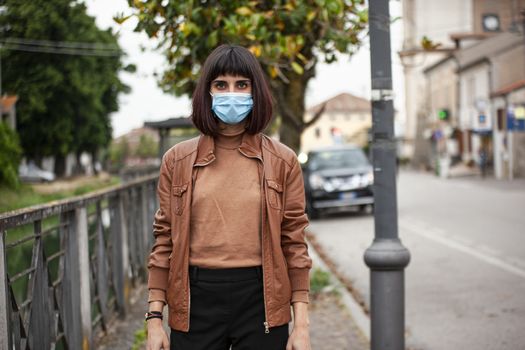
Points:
[(337, 178)]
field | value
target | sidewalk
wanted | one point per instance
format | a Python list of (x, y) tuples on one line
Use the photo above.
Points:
[(121, 335), (332, 326)]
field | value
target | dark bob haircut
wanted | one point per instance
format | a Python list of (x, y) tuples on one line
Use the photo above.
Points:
[(237, 61)]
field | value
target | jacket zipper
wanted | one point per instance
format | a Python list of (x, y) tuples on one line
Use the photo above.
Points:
[(263, 202), (266, 324), (189, 301)]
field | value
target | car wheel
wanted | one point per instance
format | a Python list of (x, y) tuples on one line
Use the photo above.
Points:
[(313, 214), (366, 209)]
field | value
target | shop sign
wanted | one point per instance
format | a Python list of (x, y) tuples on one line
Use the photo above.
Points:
[(516, 118)]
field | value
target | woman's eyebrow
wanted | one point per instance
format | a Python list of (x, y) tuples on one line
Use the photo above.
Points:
[(235, 81)]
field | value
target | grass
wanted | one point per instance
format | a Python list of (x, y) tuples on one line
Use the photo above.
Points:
[(140, 338), (29, 194), (319, 281)]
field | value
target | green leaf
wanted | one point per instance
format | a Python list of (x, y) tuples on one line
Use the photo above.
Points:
[(130, 68), (297, 68), (334, 6), (311, 16), (302, 58), (243, 11), (212, 39), (120, 18), (363, 16)]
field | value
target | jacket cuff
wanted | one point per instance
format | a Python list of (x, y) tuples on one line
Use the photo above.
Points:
[(158, 278), (300, 296), (157, 295), (299, 279)]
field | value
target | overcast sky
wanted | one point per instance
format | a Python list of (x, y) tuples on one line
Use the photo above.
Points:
[(147, 102)]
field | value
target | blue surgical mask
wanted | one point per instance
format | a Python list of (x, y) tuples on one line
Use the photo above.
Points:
[(232, 107)]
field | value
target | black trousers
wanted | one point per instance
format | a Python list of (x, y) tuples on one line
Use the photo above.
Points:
[(227, 310)]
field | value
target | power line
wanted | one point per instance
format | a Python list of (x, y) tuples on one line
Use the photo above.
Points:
[(67, 44), (61, 51), (61, 47)]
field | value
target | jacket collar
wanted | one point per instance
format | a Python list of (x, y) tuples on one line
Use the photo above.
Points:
[(250, 147)]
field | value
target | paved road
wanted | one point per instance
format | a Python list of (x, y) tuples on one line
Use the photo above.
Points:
[(465, 285)]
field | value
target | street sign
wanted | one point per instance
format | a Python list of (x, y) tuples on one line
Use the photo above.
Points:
[(482, 119), (519, 112), (516, 118), (443, 114)]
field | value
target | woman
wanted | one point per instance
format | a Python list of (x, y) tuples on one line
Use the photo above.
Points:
[(229, 256)]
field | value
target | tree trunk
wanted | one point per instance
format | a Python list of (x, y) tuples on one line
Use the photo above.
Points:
[(94, 161), (77, 169), (290, 106), (60, 165), (289, 135), (38, 161)]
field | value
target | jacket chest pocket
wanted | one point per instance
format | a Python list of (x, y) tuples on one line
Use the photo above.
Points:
[(274, 194), (179, 197)]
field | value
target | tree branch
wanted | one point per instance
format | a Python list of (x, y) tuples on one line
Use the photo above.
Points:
[(316, 116)]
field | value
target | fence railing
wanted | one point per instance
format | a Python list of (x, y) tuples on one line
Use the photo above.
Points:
[(67, 267)]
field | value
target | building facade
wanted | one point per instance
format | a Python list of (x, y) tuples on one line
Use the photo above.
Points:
[(468, 79), (346, 119)]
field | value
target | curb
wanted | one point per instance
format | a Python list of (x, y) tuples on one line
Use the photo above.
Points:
[(361, 319)]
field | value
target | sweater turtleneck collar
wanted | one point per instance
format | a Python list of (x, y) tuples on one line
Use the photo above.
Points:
[(230, 136)]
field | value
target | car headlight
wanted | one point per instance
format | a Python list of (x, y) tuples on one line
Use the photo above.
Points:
[(367, 179), (316, 181), (302, 158)]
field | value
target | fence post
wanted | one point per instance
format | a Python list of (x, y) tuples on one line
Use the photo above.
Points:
[(71, 283), (5, 332), (120, 256), (146, 220), (82, 252)]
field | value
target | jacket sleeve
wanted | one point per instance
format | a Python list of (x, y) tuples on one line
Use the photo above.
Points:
[(158, 262), (292, 234)]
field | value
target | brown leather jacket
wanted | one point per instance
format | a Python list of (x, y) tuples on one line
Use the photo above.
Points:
[(286, 263)]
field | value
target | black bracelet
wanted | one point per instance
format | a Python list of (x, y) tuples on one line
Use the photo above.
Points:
[(153, 314)]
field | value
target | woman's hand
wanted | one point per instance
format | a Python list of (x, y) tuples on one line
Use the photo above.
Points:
[(157, 337), (299, 339)]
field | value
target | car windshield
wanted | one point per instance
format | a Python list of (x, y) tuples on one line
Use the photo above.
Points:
[(336, 159)]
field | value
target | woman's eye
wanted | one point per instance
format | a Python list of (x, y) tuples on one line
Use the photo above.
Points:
[(220, 85), (242, 85)]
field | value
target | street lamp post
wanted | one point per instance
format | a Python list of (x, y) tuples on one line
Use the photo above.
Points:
[(386, 257)]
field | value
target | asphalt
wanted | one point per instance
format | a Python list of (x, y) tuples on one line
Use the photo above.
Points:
[(465, 282)]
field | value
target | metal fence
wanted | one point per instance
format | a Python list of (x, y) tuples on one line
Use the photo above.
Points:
[(67, 267)]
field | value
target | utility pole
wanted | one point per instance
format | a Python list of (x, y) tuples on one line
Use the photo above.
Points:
[(386, 257)]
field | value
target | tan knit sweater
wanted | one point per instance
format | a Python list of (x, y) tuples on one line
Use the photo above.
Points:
[(226, 208)]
